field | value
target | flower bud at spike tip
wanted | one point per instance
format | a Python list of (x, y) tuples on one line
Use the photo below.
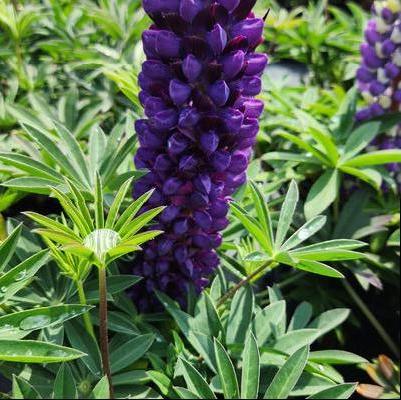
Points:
[(379, 76), (198, 88)]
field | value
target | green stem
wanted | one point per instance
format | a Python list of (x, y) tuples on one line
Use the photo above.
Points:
[(243, 282), (104, 338), (372, 319), (86, 316)]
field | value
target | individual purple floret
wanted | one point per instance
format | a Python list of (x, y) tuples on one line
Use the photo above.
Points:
[(197, 88), (379, 76)]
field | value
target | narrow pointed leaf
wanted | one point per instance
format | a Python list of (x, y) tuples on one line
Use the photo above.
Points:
[(305, 232), (8, 246), (226, 372), (64, 384), (288, 375), (115, 207), (250, 369), (322, 194), (342, 391), (287, 214), (31, 351), (196, 383)]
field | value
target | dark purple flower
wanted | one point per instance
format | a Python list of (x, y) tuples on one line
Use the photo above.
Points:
[(197, 88), (379, 77)]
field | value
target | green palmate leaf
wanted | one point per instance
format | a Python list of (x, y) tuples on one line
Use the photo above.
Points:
[(287, 214), (329, 320), (302, 315), (196, 383), (318, 268), (130, 352), (305, 232), (251, 225), (226, 372), (31, 351), (31, 166), (335, 357), (22, 389), (250, 369), (266, 321), (342, 391), (185, 393), (56, 236), (360, 138), (21, 324), (240, 315), (115, 207), (64, 384), (263, 213), (288, 375), (102, 389), (322, 194), (8, 246), (375, 158)]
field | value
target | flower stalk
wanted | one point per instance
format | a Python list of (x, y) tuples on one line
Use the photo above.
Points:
[(103, 328)]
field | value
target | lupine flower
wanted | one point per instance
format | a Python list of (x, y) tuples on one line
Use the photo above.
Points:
[(197, 88), (379, 76)]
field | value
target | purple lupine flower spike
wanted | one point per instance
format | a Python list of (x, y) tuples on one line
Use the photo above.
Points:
[(379, 76), (198, 87)]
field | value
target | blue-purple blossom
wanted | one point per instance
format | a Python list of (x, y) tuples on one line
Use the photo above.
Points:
[(197, 88), (379, 76)]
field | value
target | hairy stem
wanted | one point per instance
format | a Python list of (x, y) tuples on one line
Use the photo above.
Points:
[(86, 316), (243, 282), (372, 319), (104, 339)]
